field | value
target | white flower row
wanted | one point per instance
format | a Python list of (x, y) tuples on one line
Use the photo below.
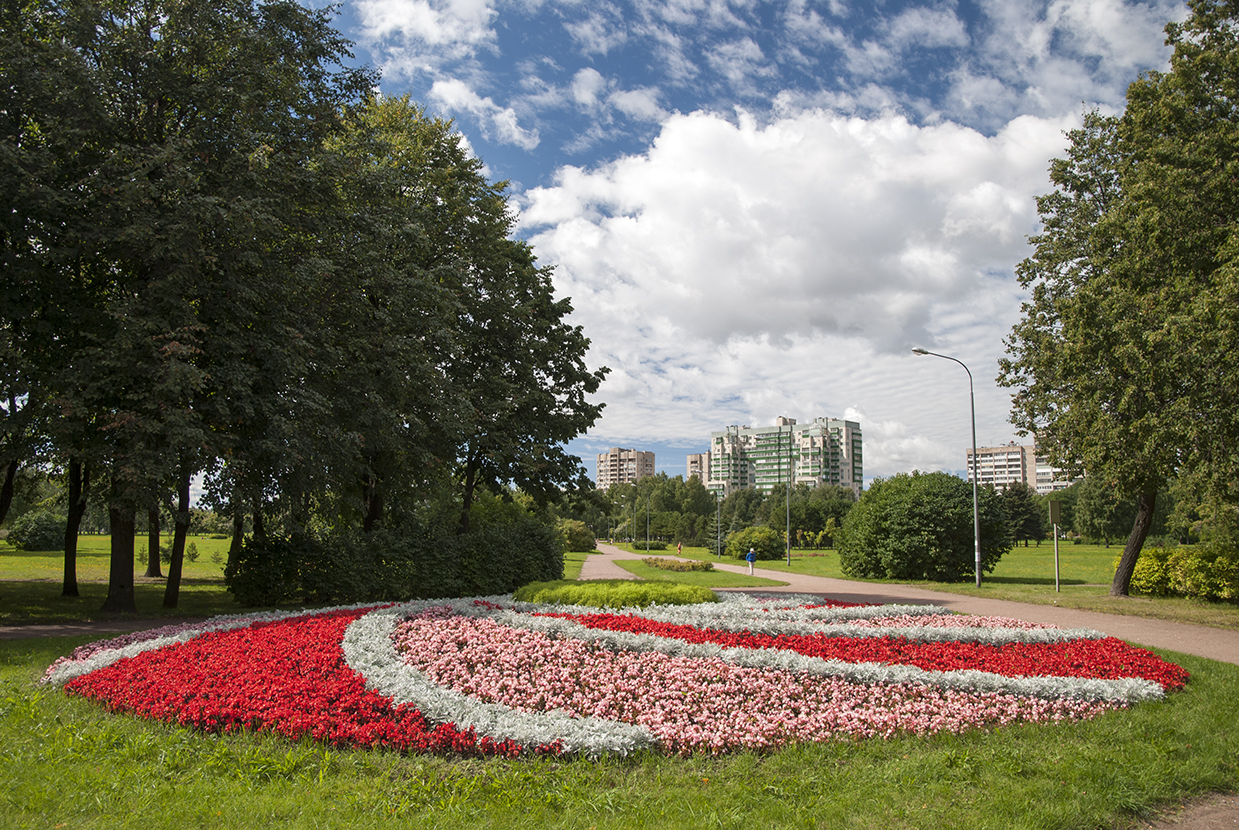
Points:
[(741, 612), (369, 651)]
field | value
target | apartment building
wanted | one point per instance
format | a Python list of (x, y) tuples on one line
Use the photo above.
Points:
[(699, 467), (1011, 463), (823, 451), (621, 466)]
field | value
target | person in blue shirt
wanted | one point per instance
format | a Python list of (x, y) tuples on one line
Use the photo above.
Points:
[(752, 557)]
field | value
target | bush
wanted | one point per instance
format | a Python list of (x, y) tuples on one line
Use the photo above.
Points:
[(614, 593), (919, 526), (676, 564), (414, 561), (765, 542), (576, 536), (1207, 571), (38, 530), (652, 544)]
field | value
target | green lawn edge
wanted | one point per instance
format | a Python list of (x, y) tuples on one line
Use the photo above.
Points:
[(68, 762)]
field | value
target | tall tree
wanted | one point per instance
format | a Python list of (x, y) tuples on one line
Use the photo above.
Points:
[(1123, 361)]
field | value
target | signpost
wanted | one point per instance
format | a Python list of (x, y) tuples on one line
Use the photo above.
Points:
[(1054, 521)]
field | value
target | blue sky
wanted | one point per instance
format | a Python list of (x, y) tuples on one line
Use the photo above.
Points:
[(759, 208)]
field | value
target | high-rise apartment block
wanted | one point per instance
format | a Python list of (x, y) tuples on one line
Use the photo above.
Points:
[(699, 467), (825, 451), (1005, 465), (620, 466)]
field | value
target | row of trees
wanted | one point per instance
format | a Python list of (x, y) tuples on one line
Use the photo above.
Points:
[(222, 253), (1123, 364)]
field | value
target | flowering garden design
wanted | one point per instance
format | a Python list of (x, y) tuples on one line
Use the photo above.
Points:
[(493, 676)]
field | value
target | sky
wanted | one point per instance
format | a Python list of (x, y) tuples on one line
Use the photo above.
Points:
[(759, 208)]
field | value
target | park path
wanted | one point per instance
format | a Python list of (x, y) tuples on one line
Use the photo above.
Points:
[(1203, 641)]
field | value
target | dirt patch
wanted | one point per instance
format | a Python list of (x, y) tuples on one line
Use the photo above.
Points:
[(1216, 811)]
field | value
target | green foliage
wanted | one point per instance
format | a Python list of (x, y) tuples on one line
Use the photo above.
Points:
[(576, 536), (1123, 361), (393, 564), (38, 530), (614, 593), (1205, 571), (676, 565), (1025, 517), (920, 526), (765, 542)]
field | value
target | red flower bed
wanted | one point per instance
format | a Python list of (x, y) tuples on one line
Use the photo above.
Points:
[(1108, 658), (287, 677)]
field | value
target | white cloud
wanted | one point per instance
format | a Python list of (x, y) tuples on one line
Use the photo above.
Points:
[(928, 27), (498, 123), (601, 31), (639, 104), (587, 85), (419, 34), (735, 272)]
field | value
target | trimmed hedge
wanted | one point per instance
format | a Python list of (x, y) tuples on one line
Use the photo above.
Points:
[(409, 563), (676, 564), (613, 593)]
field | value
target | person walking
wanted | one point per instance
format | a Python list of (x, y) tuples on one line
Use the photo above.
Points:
[(752, 557)]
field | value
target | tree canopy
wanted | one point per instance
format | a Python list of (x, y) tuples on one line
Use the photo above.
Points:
[(1123, 362), (222, 251)]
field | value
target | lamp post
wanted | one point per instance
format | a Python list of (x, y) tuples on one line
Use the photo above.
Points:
[(974, 471), (647, 525), (791, 477)]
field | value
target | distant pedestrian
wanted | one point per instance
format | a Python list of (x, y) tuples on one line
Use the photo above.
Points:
[(679, 549), (752, 557)]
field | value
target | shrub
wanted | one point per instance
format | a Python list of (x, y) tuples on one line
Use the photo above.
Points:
[(191, 552), (38, 530), (676, 564), (919, 526), (652, 544), (1152, 574), (765, 542), (614, 593), (1206, 571), (576, 536), (414, 561)]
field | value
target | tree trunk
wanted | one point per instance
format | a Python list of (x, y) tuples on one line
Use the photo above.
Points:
[(238, 536), (172, 591), (6, 490), (1145, 503), (120, 598), (471, 469), (153, 568), (79, 493), (374, 504), (260, 527)]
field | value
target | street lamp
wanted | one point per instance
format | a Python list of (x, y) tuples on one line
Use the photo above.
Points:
[(974, 472)]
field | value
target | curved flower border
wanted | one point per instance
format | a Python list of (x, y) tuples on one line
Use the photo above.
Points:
[(367, 652)]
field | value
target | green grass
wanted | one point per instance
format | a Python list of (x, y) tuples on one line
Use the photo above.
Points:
[(1027, 575), (706, 579), (93, 556), (66, 762)]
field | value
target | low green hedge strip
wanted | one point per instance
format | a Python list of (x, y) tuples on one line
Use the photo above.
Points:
[(676, 564), (613, 593)]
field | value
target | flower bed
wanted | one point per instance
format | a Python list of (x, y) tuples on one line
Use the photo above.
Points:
[(492, 676), (678, 565)]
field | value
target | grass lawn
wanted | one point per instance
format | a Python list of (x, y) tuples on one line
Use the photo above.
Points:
[(708, 579), (66, 762), (1027, 575)]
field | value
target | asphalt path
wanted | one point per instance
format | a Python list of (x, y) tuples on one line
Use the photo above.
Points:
[(1200, 640)]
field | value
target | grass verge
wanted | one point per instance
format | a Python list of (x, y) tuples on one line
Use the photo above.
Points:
[(66, 762), (706, 579)]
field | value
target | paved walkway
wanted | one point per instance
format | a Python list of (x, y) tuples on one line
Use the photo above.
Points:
[(1203, 641)]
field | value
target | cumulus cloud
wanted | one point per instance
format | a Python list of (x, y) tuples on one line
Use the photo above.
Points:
[(425, 33), (498, 123), (737, 271)]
